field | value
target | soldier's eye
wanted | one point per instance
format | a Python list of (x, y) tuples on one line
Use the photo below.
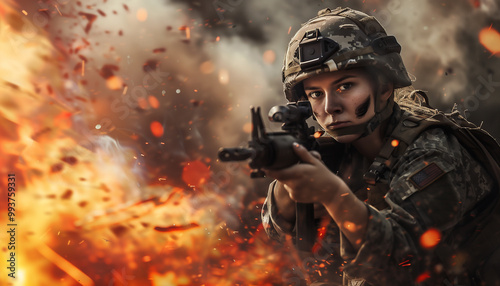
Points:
[(345, 86), (315, 94)]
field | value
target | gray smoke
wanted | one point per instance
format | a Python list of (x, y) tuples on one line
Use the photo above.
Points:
[(204, 62), (441, 47)]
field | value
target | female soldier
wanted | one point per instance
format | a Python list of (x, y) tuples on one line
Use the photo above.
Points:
[(394, 188)]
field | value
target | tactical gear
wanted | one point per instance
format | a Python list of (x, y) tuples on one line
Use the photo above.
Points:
[(338, 40), (484, 220)]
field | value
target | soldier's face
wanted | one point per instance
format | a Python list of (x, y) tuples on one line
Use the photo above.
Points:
[(341, 99)]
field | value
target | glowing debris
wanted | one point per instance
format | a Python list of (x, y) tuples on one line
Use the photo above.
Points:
[(153, 101), (156, 128), (207, 67), (490, 39), (247, 127), (318, 134), (176, 227), (223, 76), (91, 18), (114, 82), (159, 50), (142, 15), (58, 10), (64, 265), (195, 173), (422, 277), (350, 226), (269, 56), (430, 238)]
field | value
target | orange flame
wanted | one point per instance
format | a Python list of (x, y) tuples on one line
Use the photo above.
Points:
[(87, 215)]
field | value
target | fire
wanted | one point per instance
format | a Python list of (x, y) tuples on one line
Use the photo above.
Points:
[(86, 213), (490, 39)]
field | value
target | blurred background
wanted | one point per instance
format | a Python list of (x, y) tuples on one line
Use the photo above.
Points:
[(112, 112)]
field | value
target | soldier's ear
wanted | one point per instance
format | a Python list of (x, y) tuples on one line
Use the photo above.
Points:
[(386, 90)]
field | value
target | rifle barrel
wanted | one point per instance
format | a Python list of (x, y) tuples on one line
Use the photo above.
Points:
[(235, 154)]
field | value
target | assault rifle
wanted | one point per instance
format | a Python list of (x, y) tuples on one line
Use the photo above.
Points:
[(274, 150)]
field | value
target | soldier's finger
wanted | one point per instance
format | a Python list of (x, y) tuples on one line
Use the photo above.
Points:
[(283, 174), (316, 154), (304, 154)]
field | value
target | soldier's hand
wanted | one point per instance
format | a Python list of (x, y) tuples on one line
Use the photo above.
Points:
[(310, 181)]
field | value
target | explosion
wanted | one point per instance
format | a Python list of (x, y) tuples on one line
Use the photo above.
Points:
[(91, 211), (111, 115)]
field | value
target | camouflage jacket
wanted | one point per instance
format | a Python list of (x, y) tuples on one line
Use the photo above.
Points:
[(392, 253)]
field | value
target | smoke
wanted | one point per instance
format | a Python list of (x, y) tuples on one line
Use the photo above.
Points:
[(196, 67), (441, 48), (152, 86)]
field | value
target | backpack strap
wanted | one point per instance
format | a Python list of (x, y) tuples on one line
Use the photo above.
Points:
[(484, 219), (406, 131)]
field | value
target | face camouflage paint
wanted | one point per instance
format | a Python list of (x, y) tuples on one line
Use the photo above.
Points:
[(362, 109)]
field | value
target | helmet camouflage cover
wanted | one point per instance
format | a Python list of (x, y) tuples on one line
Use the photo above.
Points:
[(340, 39)]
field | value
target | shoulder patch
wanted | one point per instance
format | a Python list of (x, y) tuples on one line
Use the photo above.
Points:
[(426, 175)]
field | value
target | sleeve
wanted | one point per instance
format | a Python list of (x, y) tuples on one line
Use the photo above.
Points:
[(434, 185), (275, 226)]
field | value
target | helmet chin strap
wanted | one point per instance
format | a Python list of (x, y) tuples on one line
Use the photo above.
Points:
[(368, 127)]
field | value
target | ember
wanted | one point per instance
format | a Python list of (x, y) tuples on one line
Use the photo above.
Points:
[(111, 123), (90, 18), (430, 238), (159, 50), (176, 228), (156, 129), (490, 39)]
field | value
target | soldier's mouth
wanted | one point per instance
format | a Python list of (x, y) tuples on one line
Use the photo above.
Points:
[(337, 124)]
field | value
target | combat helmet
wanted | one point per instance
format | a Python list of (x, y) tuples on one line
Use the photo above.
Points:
[(342, 39)]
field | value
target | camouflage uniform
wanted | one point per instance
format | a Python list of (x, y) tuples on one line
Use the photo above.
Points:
[(391, 253), (435, 183)]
